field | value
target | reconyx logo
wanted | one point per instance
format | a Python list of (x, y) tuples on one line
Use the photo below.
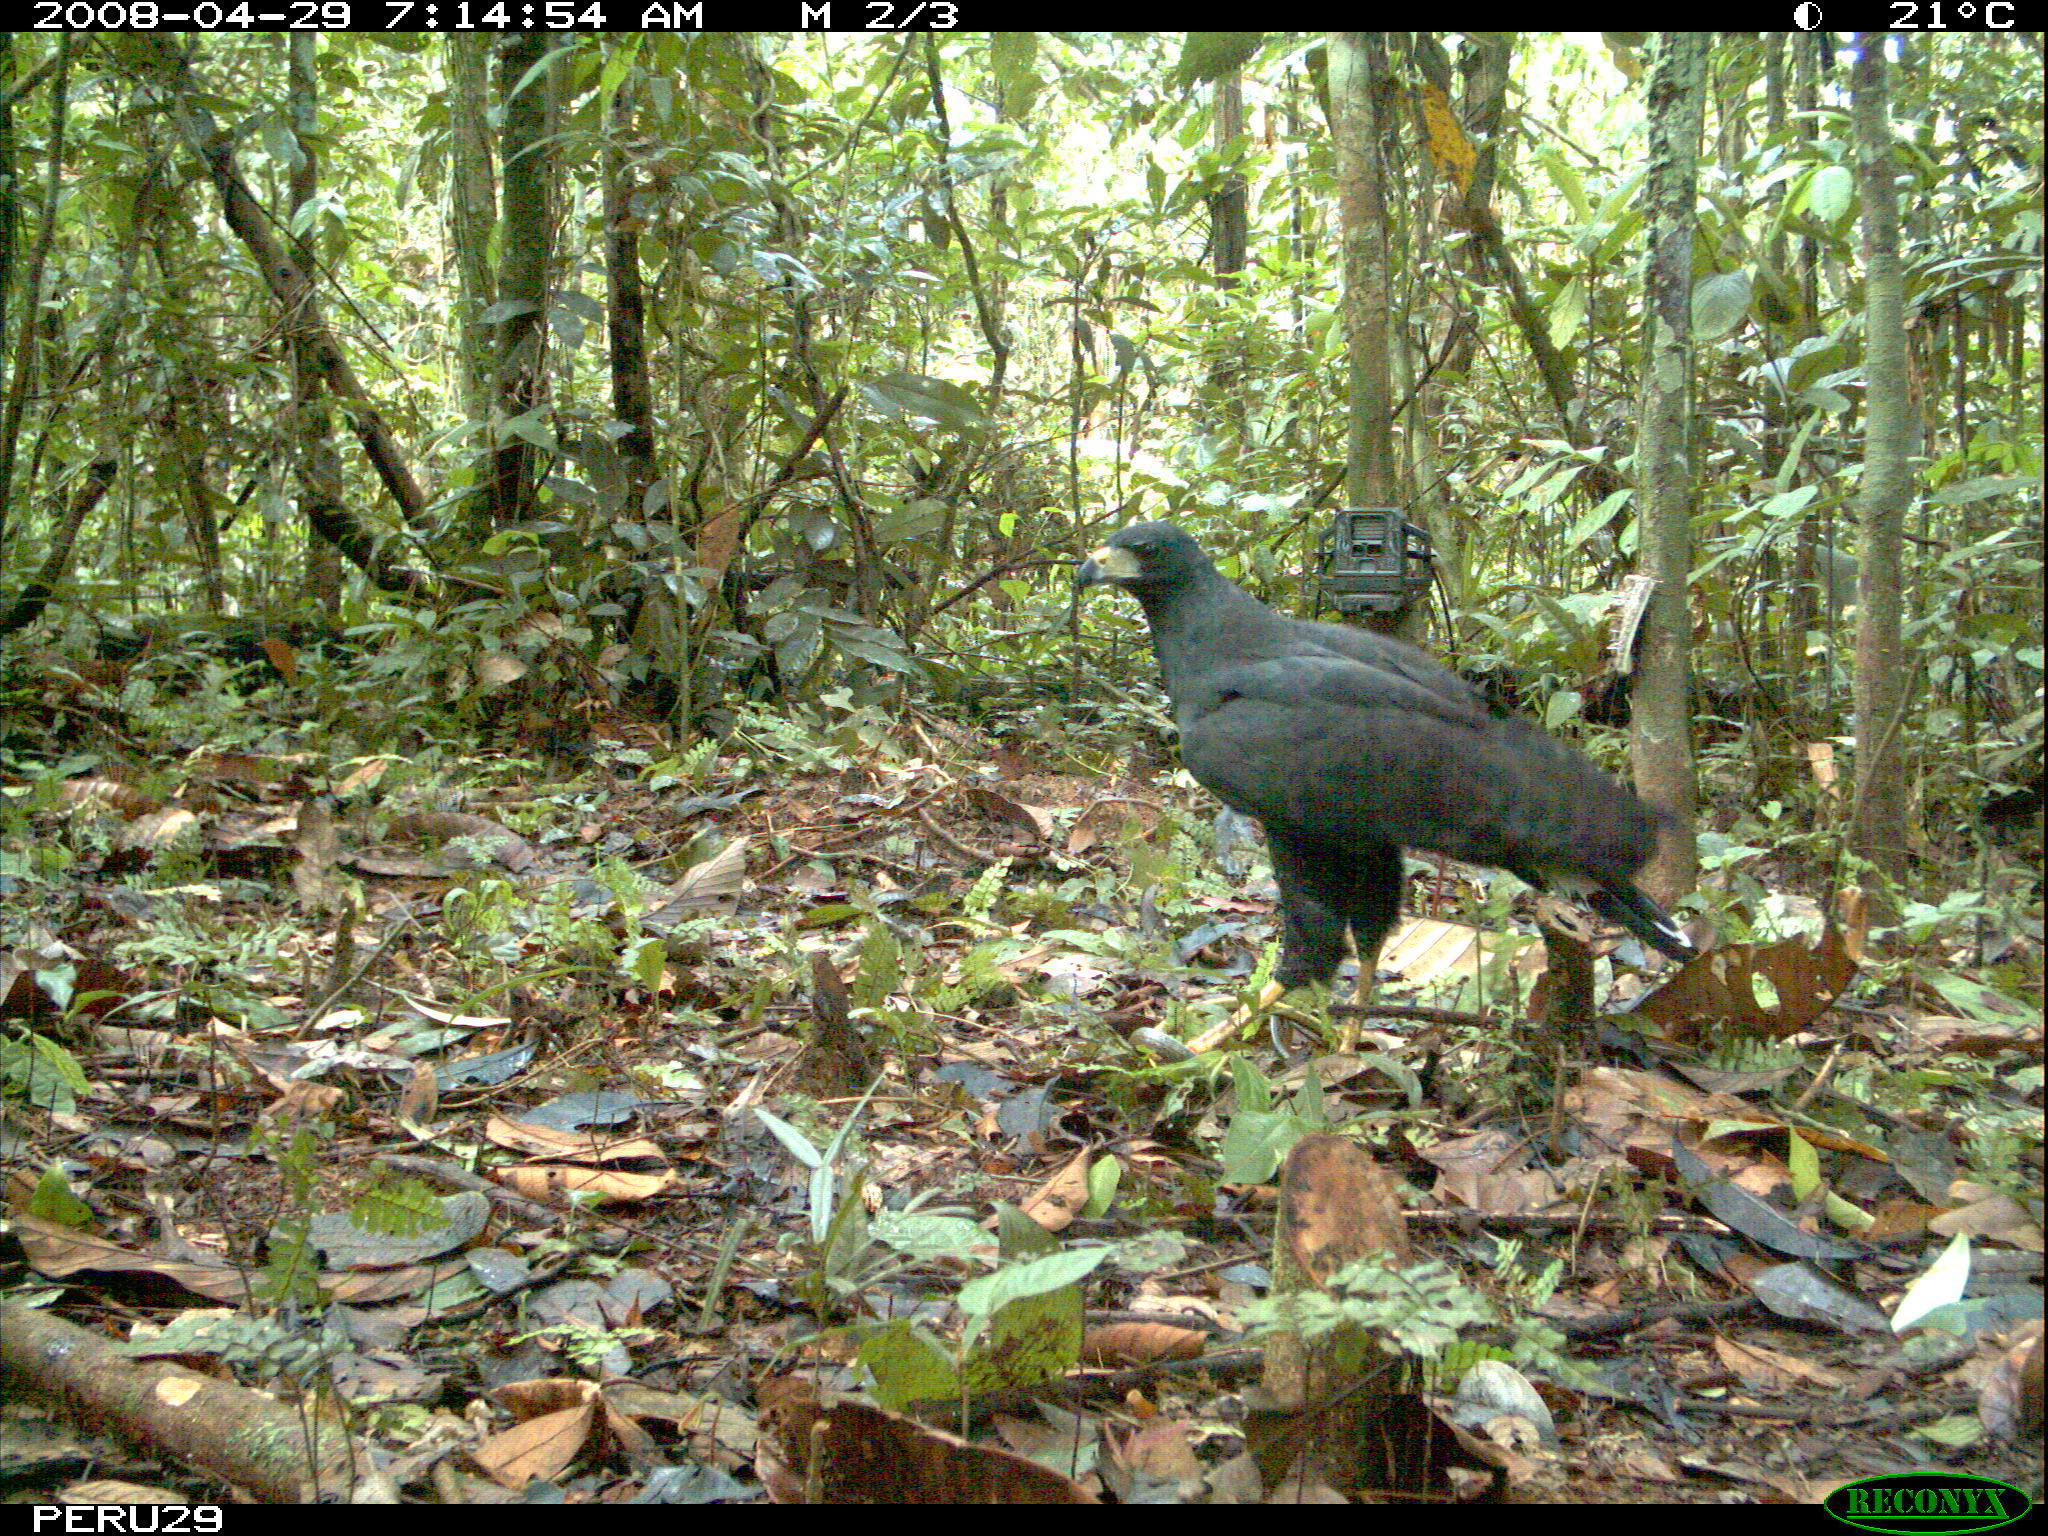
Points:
[(1922, 1502)]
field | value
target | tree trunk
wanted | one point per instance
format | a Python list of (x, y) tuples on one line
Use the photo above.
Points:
[(1877, 828)]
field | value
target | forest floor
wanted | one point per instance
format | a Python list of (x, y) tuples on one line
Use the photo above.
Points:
[(809, 1115)]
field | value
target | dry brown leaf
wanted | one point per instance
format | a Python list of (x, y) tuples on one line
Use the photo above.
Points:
[(540, 1447), (1121, 1344), (2009, 1402), (497, 668), (711, 1419), (1423, 949), (123, 1042), (1989, 1213), (361, 776), (365, 1287), (261, 766), (1035, 819), (155, 830), (558, 1182), (1772, 1370), (1736, 986), (421, 1096), (538, 1395), (1337, 1206), (282, 657), (57, 1252), (1820, 758), (319, 849), (721, 877), (507, 847), (96, 794), (1056, 1202), (718, 536), (109, 1490), (303, 1100), (1161, 1449), (549, 1141)]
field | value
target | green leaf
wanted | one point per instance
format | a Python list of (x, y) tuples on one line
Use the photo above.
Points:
[(1019, 1237), (1568, 313), (397, 1206), (1596, 518), (1719, 305), (531, 427), (1568, 626), (796, 1141), (830, 915), (42, 1071), (908, 1365), (1309, 1105), (1399, 1073), (879, 653), (1831, 193), (1104, 1176), (915, 519), (1032, 1339), (1974, 1000), (917, 394), (1567, 181), (921, 1236), (982, 1297), (56, 982), (1982, 488), (880, 971), (54, 1201), (1804, 1165), (644, 960), (1207, 56), (1013, 57), (1256, 1142), (1254, 1093)]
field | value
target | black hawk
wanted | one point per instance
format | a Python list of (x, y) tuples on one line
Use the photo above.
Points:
[(1348, 747)]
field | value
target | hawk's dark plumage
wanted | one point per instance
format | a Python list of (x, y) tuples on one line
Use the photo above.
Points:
[(1348, 747)]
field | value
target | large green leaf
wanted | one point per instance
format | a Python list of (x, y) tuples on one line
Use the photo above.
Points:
[(1831, 192), (1035, 1277), (917, 394), (1206, 56), (1719, 303), (1013, 59)]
